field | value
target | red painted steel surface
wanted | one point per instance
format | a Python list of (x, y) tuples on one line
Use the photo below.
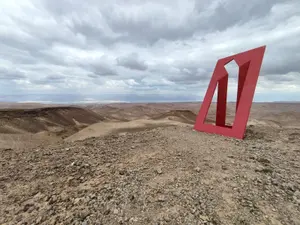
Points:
[(249, 63)]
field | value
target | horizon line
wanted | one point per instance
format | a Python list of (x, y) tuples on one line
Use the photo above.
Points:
[(125, 102)]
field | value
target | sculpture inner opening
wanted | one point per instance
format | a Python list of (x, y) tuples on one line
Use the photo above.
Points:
[(232, 69)]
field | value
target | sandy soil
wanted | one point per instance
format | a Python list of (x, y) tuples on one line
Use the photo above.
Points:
[(106, 128), (157, 170)]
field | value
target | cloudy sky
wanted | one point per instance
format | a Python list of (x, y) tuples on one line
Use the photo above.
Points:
[(138, 50)]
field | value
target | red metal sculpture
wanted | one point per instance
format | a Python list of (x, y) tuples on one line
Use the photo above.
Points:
[(249, 63)]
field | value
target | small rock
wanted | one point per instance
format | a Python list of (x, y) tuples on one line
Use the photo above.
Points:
[(122, 171), (92, 196), (39, 220), (3, 178), (39, 196), (52, 221), (64, 196), (258, 180), (197, 169), (224, 167), (204, 218), (297, 194), (76, 201), (70, 179), (51, 212), (166, 218), (161, 198), (30, 210), (53, 199), (193, 210), (106, 212), (115, 211), (296, 197), (83, 214), (131, 197), (132, 147), (264, 170), (263, 161), (177, 193), (275, 182), (19, 218), (133, 219), (27, 207), (291, 186), (158, 170)]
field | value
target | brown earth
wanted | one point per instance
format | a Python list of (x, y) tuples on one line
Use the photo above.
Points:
[(106, 128), (42, 125), (43, 119), (152, 168), (184, 116)]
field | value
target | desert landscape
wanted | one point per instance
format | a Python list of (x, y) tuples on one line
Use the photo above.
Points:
[(142, 163)]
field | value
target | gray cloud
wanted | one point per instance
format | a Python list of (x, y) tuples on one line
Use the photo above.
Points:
[(154, 20), (49, 79), (133, 47), (132, 61), (227, 13), (92, 75), (11, 74), (103, 70), (101, 66), (282, 62)]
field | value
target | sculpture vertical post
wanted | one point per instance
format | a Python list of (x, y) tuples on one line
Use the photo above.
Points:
[(222, 100)]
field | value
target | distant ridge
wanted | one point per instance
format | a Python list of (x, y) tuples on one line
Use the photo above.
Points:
[(286, 102)]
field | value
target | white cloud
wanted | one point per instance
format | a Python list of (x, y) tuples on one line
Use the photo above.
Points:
[(134, 50)]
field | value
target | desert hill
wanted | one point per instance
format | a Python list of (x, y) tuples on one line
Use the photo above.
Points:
[(26, 128), (120, 112), (144, 164), (184, 116), (45, 119), (148, 118)]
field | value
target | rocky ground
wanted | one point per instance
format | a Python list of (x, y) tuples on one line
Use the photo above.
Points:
[(168, 175)]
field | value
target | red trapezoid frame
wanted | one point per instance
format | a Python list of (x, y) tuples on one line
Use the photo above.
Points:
[(249, 63)]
